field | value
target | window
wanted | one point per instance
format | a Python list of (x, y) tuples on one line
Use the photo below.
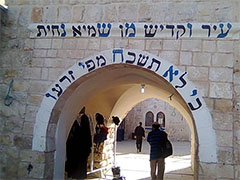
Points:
[(161, 119), (149, 118)]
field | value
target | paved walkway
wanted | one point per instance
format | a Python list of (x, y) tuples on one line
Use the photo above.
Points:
[(135, 166)]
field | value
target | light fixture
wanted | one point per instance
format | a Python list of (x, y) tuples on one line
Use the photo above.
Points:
[(143, 88)]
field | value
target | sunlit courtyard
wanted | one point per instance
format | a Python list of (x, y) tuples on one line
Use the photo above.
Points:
[(135, 166)]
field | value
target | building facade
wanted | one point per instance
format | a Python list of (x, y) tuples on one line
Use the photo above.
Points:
[(59, 56)]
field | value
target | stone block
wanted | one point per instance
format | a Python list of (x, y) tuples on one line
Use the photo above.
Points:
[(171, 56), (225, 46), (237, 171), (213, 171), (39, 86), (69, 44), (236, 78), (64, 14), (225, 155), (64, 53), (52, 53), (153, 44), (209, 46), (93, 13), (210, 103), (44, 74), (34, 99), (75, 54), (31, 112), (222, 120), (50, 13), (222, 60), (106, 44), (197, 73), (171, 45), (94, 44), (191, 45), (31, 156), (42, 43), (54, 62), (82, 43), (121, 43), (185, 58), (127, 13), (202, 59), (39, 53), (136, 44), (36, 172), (145, 12), (110, 13), (36, 15), (163, 12), (28, 128), (5, 139), (224, 105), (22, 142), (54, 73), (24, 17), (203, 88), (224, 138), (78, 12), (32, 73), (221, 74), (28, 44), (221, 90), (57, 43)]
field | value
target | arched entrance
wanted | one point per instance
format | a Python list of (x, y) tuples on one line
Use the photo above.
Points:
[(110, 83)]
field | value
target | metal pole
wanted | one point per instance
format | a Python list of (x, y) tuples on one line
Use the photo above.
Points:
[(115, 145)]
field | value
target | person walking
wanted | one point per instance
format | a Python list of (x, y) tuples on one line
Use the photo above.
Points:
[(157, 139), (139, 136)]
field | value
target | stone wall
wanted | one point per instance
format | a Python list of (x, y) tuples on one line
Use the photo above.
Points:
[(175, 124), (212, 64)]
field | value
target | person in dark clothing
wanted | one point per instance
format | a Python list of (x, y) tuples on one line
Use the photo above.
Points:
[(101, 130), (157, 140), (78, 148), (139, 135)]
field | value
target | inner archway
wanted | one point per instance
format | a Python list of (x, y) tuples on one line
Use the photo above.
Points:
[(112, 87)]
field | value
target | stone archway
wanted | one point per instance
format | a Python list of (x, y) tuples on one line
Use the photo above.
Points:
[(120, 71)]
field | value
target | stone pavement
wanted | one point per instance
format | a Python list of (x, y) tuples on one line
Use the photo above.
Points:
[(135, 166)]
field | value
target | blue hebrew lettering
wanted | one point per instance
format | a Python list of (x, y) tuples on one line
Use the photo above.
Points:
[(128, 28), (171, 27), (141, 61), (39, 32), (134, 58), (49, 95), (150, 33), (189, 26), (195, 108), (71, 74), (48, 27), (194, 92), (183, 29), (182, 80), (121, 27), (104, 34), (64, 32), (90, 65), (63, 78), (98, 61), (207, 27), (81, 64), (161, 27), (57, 28), (76, 31), (93, 34), (170, 73), (154, 61), (117, 51), (222, 34), (59, 92), (215, 27)]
